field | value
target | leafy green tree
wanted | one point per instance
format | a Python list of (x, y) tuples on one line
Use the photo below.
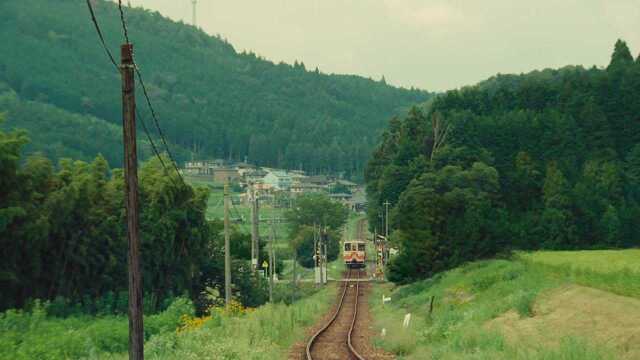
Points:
[(315, 210), (444, 219)]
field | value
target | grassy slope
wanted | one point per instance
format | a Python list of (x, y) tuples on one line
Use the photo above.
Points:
[(482, 307), (266, 333)]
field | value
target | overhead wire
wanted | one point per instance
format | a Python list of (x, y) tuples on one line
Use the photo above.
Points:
[(115, 64), (146, 96)]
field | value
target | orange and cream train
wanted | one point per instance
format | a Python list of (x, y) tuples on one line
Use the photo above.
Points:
[(354, 253)]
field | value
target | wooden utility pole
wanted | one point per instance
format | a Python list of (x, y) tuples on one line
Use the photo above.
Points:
[(386, 232), (227, 249), (136, 334), (316, 256), (255, 235), (272, 261), (324, 256)]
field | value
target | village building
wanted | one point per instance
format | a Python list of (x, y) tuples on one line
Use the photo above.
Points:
[(278, 180), (202, 167), (222, 175)]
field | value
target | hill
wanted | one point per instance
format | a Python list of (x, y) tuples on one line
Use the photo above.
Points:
[(212, 100), (545, 160), (534, 306)]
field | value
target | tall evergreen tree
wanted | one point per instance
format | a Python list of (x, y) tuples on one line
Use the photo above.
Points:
[(621, 56)]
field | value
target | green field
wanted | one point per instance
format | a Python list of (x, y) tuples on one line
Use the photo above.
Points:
[(604, 261), (264, 333), (545, 305)]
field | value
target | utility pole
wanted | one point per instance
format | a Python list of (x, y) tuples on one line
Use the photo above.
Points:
[(255, 235), (386, 219), (227, 249), (271, 262), (316, 255), (386, 232), (194, 2), (136, 328), (324, 256)]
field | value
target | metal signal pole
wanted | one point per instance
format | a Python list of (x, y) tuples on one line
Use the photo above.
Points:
[(227, 249), (136, 334)]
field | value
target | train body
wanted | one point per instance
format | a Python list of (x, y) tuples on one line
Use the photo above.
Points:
[(354, 254)]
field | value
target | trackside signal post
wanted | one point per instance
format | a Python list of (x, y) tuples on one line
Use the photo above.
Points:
[(136, 335)]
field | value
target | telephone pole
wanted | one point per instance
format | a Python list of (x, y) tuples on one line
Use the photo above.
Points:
[(227, 249), (255, 235), (316, 256), (136, 333), (272, 261), (324, 256), (386, 219)]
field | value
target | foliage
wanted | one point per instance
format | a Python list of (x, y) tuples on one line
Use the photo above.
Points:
[(315, 210), (36, 335), (212, 100), (62, 233), (559, 154)]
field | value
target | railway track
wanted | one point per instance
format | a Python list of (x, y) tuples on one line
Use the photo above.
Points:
[(334, 339)]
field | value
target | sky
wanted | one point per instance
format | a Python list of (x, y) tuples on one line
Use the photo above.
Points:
[(434, 45)]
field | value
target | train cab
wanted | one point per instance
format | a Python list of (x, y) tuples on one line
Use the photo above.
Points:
[(354, 254)]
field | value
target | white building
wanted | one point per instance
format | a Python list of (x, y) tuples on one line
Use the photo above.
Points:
[(278, 180)]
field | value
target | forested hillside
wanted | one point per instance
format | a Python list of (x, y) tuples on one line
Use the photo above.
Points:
[(549, 159), (211, 100)]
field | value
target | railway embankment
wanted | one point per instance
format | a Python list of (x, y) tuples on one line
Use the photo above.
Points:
[(551, 305)]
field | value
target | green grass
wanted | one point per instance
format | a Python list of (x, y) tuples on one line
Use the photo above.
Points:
[(616, 271), (472, 296), (603, 261), (265, 333), (34, 335)]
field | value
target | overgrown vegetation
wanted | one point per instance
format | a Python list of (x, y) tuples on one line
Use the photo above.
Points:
[(212, 100), (547, 160), (320, 211), (62, 236), (472, 300), (176, 333)]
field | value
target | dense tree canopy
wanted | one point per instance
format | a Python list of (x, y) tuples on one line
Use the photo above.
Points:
[(320, 211), (543, 160), (212, 100), (62, 234)]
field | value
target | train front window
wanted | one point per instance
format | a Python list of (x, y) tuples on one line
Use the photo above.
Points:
[(360, 247), (347, 247)]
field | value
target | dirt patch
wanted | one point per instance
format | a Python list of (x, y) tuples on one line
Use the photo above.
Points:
[(577, 311)]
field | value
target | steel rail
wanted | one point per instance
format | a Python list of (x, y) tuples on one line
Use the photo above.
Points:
[(335, 316), (353, 322)]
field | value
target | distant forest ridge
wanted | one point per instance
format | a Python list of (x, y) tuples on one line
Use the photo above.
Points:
[(212, 101)]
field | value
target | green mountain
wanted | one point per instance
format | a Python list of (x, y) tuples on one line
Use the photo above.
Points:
[(549, 159), (211, 100)]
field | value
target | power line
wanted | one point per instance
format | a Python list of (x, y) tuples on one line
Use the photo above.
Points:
[(115, 64), (146, 95), (104, 44), (124, 23)]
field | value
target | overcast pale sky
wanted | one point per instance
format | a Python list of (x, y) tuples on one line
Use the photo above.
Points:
[(431, 44)]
